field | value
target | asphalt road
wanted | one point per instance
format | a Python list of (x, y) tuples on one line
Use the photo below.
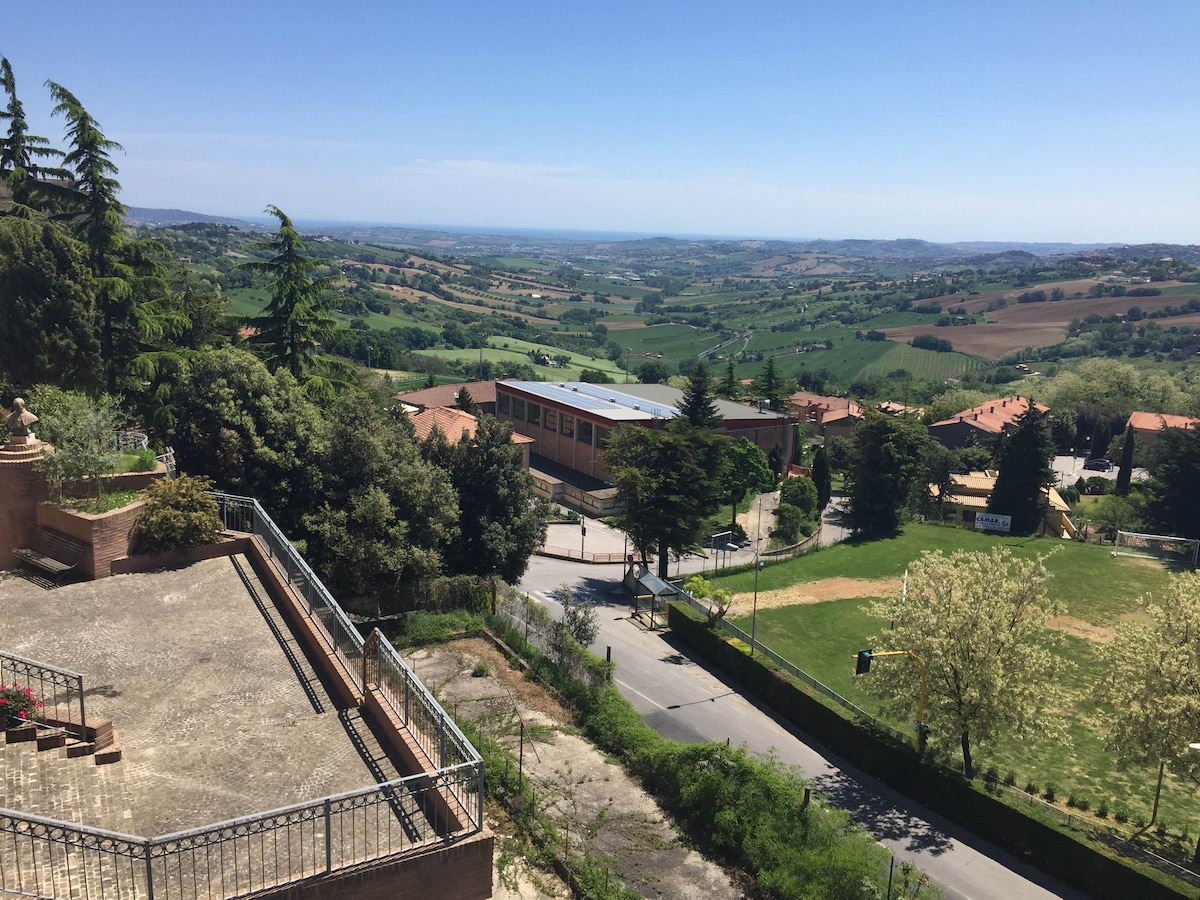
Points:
[(684, 700)]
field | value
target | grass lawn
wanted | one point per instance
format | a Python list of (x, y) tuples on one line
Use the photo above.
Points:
[(1095, 588)]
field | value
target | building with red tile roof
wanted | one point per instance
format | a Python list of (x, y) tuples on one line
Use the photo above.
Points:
[(833, 416), (457, 426), (984, 422), (1147, 426), (482, 392)]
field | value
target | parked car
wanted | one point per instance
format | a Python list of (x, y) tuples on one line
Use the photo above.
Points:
[(1098, 465)]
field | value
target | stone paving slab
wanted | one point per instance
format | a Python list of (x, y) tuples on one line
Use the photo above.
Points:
[(214, 720)]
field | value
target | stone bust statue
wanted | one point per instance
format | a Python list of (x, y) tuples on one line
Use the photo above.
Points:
[(20, 419)]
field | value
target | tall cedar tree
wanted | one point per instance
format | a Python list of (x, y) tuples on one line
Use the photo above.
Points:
[(297, 317), (730, 389), (697, 405), (1125, 472), (822, 477), (1025, 471), (886, 470), (20, 150), (132, 294)]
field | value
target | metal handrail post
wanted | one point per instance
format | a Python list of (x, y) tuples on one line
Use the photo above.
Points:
[(149, 872), (82, 711), (328, 836)]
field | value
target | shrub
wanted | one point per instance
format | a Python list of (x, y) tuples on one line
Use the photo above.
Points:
[(1102, 810), (146, 461), (1121, 814), (1077, 802), (1010, 778), (178, 514), (1031, 787), (482, 669), (1049, 793)]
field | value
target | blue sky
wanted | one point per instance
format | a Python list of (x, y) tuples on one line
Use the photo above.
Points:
[(1052, 121)]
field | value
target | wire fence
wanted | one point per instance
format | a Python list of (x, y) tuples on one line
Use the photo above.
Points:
[(534, 625)]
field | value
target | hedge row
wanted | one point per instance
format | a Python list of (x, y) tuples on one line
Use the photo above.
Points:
[(1051, 848)]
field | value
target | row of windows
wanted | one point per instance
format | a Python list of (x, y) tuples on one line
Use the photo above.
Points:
[(552, 420)]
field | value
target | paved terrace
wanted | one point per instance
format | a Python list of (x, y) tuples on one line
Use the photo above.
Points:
[(218, 712)]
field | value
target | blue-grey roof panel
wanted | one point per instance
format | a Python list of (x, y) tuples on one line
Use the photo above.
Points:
[(602, 399)]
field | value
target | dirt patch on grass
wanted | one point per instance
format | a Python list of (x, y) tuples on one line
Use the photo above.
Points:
[(1081, 629), (819, 592)]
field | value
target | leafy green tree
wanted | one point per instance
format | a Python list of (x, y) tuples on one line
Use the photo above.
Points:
[(1173, 494), (886, 469), (697, 404), (579, 617), (385, 516), (1149, 695), (297, 317), (822, 477), (251, 431), (48, 329), (83, 433), (653, 372), (1025, 470), (501, 525), (746, 470), (977, 623), (670, 480)]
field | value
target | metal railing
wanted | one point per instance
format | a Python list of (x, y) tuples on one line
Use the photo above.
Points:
[(245, 514), (59, 692), (435, 732), (46, 858), (582, 555)]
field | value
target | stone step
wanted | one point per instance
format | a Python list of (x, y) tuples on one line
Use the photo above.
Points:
[(51, 738), (111, 753)]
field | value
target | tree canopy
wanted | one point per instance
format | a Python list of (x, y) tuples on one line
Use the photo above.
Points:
[(1024, 472), (886, 472), (977, 622)]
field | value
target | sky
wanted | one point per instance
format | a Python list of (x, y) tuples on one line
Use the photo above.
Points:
[(1044, 121)]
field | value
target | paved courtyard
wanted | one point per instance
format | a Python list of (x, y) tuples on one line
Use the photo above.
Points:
[(218, 711)]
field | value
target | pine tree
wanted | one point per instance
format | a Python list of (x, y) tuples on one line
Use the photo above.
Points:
[(297, 317), (1025, 471), (1125, 472), (697, 405), (822, 477), (730, 388), (20, 150)]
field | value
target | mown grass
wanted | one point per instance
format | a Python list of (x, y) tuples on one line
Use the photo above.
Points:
[(1096, 589)]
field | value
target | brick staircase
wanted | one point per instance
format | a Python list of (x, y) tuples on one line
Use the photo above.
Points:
[(100, 740)]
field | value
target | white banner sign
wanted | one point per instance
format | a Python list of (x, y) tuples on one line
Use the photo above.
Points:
[(992, 522)]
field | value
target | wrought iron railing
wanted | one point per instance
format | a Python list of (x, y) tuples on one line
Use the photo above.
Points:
[(59, 692), (46, 858), (245, 514)]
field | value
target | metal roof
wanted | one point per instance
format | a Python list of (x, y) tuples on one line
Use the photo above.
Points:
[(600, 399)]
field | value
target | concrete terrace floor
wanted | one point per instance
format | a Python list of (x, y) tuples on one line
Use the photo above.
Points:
[(218, 712)]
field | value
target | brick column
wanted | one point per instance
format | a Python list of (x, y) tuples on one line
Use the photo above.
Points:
[(21, 490)]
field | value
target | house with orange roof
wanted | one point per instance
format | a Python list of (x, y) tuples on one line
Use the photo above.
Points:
[(833, 416), (984, 422), (482, 392), (1147, 426), (458, 426)]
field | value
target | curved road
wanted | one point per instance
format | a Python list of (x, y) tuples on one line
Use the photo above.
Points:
[(684, 700)]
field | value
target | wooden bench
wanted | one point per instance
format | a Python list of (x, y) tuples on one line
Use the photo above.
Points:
[(52, 552)]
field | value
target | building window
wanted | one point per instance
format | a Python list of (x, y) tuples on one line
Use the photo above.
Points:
[(584, 435), (551, 420), (518, 409), (503, 401), (535, 414), (567, 425), (602, 435)]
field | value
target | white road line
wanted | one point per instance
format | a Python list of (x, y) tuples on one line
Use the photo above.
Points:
[(634, 690)]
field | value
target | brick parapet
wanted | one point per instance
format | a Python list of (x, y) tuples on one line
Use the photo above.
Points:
[(22, 488)]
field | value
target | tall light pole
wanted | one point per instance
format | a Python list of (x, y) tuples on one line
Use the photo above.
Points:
[(754, 615), (482, 344)]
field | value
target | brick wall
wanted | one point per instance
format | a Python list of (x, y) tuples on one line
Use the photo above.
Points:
[(106, 534), (460, 872), (21, 490)]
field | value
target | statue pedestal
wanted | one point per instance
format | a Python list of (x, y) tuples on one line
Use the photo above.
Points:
[(22, 440), (22, 488)]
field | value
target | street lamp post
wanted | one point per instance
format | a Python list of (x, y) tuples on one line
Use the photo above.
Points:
[(754, 615), (582, 534)]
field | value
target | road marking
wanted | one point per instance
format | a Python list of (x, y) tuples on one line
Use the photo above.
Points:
[(634, 690)]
